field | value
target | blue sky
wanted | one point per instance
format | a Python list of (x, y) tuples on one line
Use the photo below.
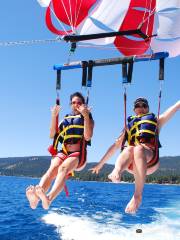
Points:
[(27, 88)]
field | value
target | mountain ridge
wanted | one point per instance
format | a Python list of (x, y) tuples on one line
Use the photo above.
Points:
[(35, 166)]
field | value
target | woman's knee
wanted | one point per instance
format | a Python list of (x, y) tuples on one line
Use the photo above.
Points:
[(55, 162), (63, 169), (138, 148), (140, 154), (128, 150), (52, 171), (69, 165)]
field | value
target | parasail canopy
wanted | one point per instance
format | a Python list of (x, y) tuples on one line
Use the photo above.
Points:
[(135, 26)]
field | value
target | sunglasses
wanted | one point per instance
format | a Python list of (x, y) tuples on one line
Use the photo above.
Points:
[(143, 105), (78, 103)]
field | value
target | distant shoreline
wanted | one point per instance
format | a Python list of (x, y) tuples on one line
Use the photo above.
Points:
[(122, 182), (35, 167)]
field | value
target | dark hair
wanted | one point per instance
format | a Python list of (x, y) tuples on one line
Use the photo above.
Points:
[(79, 95), (141, 100)]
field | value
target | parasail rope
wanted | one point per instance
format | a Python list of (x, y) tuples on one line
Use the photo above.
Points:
[(150, 49), (71, 16), (58, 19), (78, 12), (145, 11), (56, 40), (71, 24), (75, 14), (152, 12), (148, 19), (110, 48), (29, 42)]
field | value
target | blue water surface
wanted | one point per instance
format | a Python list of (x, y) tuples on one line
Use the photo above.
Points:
[(94, 210)]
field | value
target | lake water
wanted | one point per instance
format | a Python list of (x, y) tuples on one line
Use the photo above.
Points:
[(93, 211)]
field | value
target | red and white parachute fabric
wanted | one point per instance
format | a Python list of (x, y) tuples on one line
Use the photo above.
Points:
[(154, 17)]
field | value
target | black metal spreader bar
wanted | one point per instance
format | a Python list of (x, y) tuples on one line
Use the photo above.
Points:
[(79, 38)]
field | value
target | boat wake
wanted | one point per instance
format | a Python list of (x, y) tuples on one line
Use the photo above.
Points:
[(165, 225)]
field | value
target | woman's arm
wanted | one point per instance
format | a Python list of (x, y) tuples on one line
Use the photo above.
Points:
[(110, 152), (88, 122), (165, 117), (88, 128), (54, 113)]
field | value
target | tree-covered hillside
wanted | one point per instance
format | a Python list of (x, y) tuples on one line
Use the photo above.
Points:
[(35, 166)]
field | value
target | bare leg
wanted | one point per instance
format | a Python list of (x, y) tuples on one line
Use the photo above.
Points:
[(69, 165), (32, 197), (41, 194), (141, 156), (51, 173), (121, 164)]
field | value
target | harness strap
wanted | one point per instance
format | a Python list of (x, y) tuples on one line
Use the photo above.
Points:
[(159, 101), (161, 77), (69, 127), (53, 148), (125, 108), (84, 73), (90, 71), (135, 126), (124, 73), (57, 117), (66, 190)]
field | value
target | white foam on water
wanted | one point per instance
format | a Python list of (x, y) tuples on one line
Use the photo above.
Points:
[(169, 218), (81, 199), (80, 228), (71, 227)]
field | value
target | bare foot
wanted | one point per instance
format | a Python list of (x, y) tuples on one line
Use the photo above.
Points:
[(32, 197), (41, 194), (133, 204), (114, 176)]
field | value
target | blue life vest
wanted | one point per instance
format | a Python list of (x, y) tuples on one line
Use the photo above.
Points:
[(71, 129), (142, 127)]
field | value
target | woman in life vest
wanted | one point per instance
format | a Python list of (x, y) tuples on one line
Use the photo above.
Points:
[(75, 132), (140, 156)]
